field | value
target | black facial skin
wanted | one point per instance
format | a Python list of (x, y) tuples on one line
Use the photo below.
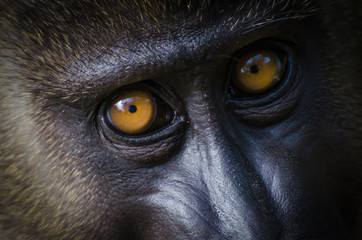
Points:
[(286, 164)]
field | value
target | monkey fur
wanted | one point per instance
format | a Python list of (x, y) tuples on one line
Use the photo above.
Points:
[(59, 179)]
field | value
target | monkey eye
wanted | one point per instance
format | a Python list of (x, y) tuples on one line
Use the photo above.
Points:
[(133, 111), (263, 82), (145, 113), (138, 109), (258, 71)]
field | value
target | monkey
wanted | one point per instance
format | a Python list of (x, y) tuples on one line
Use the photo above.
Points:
[(180, 119)]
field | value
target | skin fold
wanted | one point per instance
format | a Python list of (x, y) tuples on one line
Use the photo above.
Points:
[(284, 165)]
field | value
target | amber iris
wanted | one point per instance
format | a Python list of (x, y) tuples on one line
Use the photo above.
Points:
[(257, 71), (133, 111)]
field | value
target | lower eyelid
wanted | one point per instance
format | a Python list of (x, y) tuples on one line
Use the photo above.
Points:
[(267, 111)]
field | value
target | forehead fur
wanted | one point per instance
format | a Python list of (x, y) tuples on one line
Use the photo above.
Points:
[(56, 23)]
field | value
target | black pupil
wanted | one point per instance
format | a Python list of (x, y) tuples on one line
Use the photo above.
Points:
[(254, 69), (132, 109)]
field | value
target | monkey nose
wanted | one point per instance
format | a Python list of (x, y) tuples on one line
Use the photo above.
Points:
[(216, 192)]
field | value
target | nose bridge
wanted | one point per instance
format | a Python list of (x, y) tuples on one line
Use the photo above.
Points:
[(236, 194)]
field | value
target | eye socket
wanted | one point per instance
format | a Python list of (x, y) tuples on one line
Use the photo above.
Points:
[(263, 82), (133, 111), (257, 71)]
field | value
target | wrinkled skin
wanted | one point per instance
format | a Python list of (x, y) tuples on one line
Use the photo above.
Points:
[(289, 168)]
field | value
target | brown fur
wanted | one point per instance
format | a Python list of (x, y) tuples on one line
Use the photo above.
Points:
[(51, 52)]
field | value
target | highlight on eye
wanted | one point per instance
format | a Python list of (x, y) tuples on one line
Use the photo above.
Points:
[(133, 111), (257, 71)]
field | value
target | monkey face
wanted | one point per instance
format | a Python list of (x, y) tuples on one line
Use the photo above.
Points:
[(174, 120)]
